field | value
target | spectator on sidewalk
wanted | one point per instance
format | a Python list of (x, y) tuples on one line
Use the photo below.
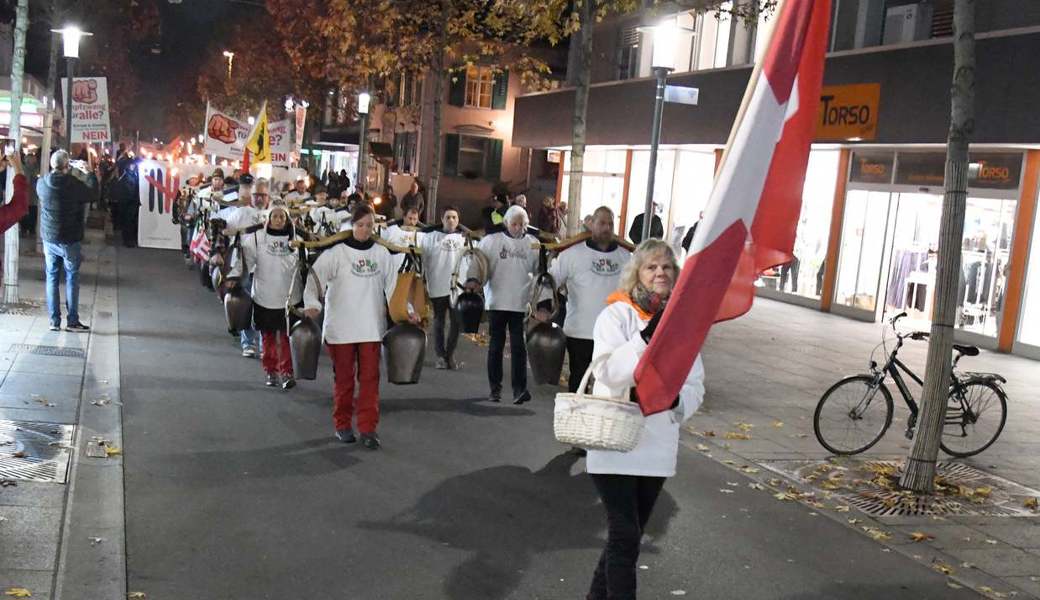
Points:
[(63, 202), (635, 232), (14, 210), (507, 292), (415, 198), (356, 279), (267, 255), (628, 483), (494, 214), (549, 216), (441, 247)]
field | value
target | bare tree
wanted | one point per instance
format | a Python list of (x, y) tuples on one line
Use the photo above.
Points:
[(919, 475)]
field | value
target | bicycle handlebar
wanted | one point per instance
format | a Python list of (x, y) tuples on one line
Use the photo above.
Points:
[(896, 318)]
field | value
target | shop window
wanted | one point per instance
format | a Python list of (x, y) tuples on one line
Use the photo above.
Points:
[(985, 262), (663, 181), (1029, 328), (863, 235), (628, 53), (472, 157), (602, 182)]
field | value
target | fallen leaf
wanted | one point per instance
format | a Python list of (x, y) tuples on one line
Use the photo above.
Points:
[(778, 424), (920, 536), (708, 434), (703, 448), (877, 534), (842, 508), (756, 486), (782, 496), (643, 567), (678, 592), (943, 568), (992, 542), (725, 491), (8, 483), (984, 491), (94, 541), (136, 596), (799, 435), (732, 484), (954, 585), (733, 435), (113, 451), (20, 454), (967, 565), (751, 470), (18, 593), (745, 427), (1032, 503)]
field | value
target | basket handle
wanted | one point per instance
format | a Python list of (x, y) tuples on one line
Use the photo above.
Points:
[(588, 375)]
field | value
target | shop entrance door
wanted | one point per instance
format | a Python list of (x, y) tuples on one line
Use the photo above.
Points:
[(910, 282)]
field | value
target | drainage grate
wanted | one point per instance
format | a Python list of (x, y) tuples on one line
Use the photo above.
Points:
[(48, 350), (25, 308), (866, 485), (42, 451)]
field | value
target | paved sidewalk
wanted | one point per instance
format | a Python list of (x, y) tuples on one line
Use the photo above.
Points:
[(44, 378), (769, 369)]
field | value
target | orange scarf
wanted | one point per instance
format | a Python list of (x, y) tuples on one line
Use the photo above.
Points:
[(625, 298)]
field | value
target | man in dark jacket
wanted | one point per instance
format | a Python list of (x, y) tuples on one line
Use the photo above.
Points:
[(63, 202), (635, 232)]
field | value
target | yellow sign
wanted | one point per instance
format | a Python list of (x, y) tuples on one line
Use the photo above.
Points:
[(259, 142), (848, 112)]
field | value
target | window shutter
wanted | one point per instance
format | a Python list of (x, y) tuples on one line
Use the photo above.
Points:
[(493, 171), (500, 91), (450, 158), (457, 87)]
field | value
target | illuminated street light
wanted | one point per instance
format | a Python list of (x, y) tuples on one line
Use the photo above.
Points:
[(70, 37), (230, 56)]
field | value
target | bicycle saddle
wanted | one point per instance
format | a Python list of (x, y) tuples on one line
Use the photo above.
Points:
[(966, 350)]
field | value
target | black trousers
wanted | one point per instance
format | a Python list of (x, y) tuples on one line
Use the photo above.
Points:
[(499, 321), (628, 500), (579, 355), (790, 271), (445, 347)]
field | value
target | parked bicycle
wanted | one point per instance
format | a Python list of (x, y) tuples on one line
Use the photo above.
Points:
[(857, 411)]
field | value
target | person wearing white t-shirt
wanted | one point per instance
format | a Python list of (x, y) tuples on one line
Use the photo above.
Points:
[(402, 233), (512, 260), (591, 272), (357, 279), (441, 248), (299, 194)]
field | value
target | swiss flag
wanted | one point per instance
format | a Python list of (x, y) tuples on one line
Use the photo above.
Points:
[(751, 218)]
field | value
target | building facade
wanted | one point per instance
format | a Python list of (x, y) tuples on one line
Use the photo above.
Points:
[(868, 230)]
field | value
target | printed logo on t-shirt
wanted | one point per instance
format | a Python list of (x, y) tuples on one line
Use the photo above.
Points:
[(605, 267), (364, 267), (519, 254), (451, 244), (279, 247)]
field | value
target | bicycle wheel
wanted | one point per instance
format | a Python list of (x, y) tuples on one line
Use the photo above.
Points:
[(975, 415), (852, 416)]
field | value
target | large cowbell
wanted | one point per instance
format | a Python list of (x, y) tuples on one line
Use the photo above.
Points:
[(470, 307), (405, 345), (238, 309), (546, 343), (305, 347)]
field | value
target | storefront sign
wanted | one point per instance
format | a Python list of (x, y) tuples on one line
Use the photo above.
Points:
[(987, 170), (872, 167), (89, 109), (848, 112)]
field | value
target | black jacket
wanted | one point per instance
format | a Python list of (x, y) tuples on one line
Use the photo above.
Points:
[(635, 232), (63, 200)]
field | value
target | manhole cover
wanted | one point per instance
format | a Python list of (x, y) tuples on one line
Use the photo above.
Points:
[(35, 451), (48, 350), (869, 486), (24, 308)]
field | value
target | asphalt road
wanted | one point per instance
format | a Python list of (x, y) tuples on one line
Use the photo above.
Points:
[(237, 491)]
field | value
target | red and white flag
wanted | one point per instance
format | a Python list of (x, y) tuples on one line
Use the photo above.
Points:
[(751, 218)]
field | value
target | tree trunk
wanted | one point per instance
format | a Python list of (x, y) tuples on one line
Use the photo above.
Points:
[(52, 63), (920, 467), (582, 78), (439, 73), (17, 79)]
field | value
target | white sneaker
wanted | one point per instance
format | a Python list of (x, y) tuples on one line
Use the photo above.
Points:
[(249, 352)]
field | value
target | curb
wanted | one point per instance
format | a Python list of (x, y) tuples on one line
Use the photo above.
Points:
[(88, 568)]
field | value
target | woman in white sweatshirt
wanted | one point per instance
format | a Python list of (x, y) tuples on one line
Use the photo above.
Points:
[(441, 248), (513, 261), (268, 255), (628, 483), (357, 279)]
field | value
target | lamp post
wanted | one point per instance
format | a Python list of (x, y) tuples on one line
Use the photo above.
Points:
[(230, 56), (665, 37), (70, 37), (363, 100)]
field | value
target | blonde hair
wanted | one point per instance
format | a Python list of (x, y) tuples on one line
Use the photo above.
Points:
[(651, 247)]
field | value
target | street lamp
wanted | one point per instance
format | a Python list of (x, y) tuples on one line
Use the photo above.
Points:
[(70, 37), (665, 37), (230, 56), (363, 100)]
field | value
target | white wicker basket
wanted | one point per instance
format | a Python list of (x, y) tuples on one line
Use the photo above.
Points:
[(597, 422)]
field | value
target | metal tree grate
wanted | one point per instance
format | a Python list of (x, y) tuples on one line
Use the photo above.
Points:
[(48, 350), (855, 482), (35, 451), (25, 308)]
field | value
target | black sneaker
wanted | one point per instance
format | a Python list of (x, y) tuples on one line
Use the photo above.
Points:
[(370, 441), (289, 383), (495, 397), (77, 327), (272, 380), (576, 451), (346, 436), (524, 397)]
